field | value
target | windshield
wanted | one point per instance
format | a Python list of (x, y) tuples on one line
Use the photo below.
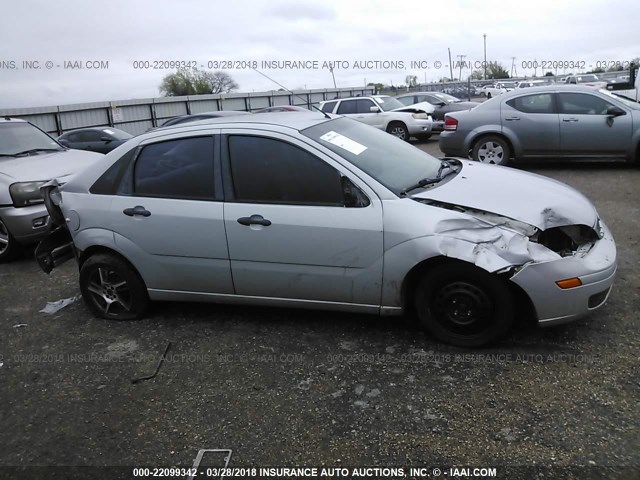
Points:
[(16, 137), (625, 101), (388, 103), (445, 97), (392, 162), (587, 78), (508, 85)]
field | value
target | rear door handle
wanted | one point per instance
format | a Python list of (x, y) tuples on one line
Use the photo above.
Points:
[(569, 119), (512, 118), (138, 210), (254, 220)]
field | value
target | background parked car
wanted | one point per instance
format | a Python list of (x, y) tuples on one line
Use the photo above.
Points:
[(442, 102), (499, 88), (282, 108), (98, 139), (384, 112), (586, 80), (553, 122), (28, 159), (533, 83), (202, 116)]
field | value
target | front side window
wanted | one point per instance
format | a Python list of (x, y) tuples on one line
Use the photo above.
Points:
[(267, 170), (406, 101), (539, 103), (364, 105), (176, 169), (582, 104), (347, 107)]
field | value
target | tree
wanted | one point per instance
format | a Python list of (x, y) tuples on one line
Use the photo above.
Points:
[(495, 70), (411, 80), (548, 74), (195, 82), (477, 75), (377, 86), (597, 70)]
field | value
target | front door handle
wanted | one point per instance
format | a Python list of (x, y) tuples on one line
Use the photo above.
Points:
[(569, 119), (512, 118), (138, 210), (254, 220)]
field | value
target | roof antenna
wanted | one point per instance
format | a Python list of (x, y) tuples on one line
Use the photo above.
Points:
[(286, 89)]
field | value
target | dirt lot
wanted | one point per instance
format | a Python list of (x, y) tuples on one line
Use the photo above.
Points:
[(290, 387)]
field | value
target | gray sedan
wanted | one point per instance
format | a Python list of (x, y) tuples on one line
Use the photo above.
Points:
[(552, 122), (97, 139), (314, 211)]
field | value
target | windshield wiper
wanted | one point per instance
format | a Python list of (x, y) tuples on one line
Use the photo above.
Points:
[(35, 150), (430, 181)]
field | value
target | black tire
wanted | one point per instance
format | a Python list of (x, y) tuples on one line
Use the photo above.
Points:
[(112, 288), (424, 136), (398, 129), (491, 149), (488, 95), (9, 248), (463, 305)]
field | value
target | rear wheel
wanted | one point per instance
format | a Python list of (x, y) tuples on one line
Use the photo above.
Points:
[(112, 288), (491, 149), (399, 130), (463, 305), (9, 247)]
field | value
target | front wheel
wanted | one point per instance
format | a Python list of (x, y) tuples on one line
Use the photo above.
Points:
[(491, 149), (112, 289), (9, 248), (463, 305), (488, 95), (399, 130)]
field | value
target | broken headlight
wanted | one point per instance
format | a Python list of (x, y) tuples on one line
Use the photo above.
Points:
[(567, 240)]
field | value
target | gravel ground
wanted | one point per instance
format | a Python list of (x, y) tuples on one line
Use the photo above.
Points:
[(289, 387)]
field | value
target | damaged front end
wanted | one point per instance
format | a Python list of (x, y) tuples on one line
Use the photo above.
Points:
[(57, 247), (501, 244)]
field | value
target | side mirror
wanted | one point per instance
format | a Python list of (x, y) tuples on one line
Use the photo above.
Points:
[(374, 109), (441, 104), (614, 111)]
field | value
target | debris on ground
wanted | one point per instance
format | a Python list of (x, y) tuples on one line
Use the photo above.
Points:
[(54, 307), (149, 377)]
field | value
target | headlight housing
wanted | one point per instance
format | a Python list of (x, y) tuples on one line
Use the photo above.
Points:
[(25, 194)]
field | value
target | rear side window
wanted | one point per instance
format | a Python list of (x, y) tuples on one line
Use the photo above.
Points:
[(176, 169), (347, 107), (538, 103), (328, 107), (266, 170)]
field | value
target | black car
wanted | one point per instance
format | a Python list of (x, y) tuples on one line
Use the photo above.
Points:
[(201, 116), (442, 102), (98, 139)]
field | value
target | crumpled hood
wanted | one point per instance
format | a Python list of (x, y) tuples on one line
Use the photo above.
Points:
[(45, 166), (416, 108), (523, 196)]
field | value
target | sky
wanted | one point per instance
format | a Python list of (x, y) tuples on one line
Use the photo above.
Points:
[(45, 42)]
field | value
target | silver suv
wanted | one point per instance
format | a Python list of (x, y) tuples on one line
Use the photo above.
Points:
[(317, 212), (28, 159), (384, 112)]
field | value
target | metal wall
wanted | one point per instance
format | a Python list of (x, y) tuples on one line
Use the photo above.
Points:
[(137, 116)]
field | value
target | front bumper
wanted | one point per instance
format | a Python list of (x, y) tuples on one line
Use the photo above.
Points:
[(554, 305), (26, 224)]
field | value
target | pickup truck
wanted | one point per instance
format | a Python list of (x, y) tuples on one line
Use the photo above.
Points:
[(499, 88), (585, 80), (629, 89)]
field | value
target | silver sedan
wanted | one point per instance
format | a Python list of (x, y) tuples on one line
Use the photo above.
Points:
[(315, 211), (549, 122)]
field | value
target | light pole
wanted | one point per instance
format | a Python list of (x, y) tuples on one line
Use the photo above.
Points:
[(484, 36)]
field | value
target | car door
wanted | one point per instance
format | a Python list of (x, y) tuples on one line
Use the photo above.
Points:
[(587, 130), (360, 109), (290, 233), (532, 123), (168, 214)]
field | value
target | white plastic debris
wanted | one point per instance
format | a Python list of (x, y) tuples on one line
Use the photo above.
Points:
[(53, 307), (19, 325)]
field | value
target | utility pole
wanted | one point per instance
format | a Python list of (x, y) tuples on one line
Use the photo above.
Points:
[(484, 35), (460, 58), (332, 76), (513, 66), (450, 65)]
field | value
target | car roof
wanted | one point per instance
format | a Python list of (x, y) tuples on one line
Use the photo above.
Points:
[(300, 121), (546, 88), (101, 128)]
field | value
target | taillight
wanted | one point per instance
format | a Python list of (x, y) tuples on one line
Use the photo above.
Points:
[(450, 124)]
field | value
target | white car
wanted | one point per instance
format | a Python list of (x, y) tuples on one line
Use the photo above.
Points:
[(386, 113), (499, 88)]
